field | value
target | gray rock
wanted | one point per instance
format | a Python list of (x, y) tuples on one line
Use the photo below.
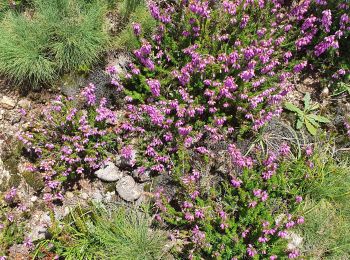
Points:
[(109, 172), (38, 226), (7, 102), (128, 189)]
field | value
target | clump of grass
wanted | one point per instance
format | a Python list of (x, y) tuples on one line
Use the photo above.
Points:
[(133, 11), (62, 36), (98, 233), (326, 209)]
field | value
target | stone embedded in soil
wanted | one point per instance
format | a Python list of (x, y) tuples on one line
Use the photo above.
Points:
[(24, 103), (7, 102), (128, 189), (109, 172)]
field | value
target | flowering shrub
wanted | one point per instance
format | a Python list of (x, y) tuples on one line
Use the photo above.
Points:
[(209, 69), (323, 28), (12, 215), (248, 214), (67, 141)]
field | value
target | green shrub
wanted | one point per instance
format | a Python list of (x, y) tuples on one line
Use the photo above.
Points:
[(98, 233), (62, 36)]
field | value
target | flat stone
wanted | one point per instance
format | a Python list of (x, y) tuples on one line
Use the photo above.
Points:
[(110, 172), (128, 189), (7, 102), (24, 103)]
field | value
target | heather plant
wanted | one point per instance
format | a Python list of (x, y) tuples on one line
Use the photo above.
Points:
[(12, 216), (62, 36), (323, 29), (69, 140), (205, 75), (100, 232), (247, 213)]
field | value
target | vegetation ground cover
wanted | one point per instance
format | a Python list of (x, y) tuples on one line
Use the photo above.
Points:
[(202, 120)]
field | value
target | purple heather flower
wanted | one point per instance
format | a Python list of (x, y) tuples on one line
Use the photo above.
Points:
[(298, 199), (89, 94), (137, 28), (327, 20), (154, 87)]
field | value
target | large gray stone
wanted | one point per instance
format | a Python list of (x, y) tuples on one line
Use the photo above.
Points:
[(109, 172), (128, 189)]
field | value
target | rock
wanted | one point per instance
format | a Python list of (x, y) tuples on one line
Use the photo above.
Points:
[(24, 103), (69, 195), (38, 226), (128, 189), (97, 196), (294, 241), (109, 172), (84, 195), (109, 196), (7, 102)]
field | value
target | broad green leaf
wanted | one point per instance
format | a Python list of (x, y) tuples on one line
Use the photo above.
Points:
[(299, 123), (321, 119), (312, 130), (312, 121), (293, 108), (307, 99), (314, 107)]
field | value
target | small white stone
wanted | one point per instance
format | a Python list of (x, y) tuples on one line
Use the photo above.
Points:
[(128, 189), (33, 198)]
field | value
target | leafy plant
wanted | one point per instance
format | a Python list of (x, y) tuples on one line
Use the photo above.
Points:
[(59, 37), (98, 232), (305, 116)]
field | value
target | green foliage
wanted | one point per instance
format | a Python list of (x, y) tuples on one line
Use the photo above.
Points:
[(61, 36), (126, 38), (101, 233), (305, 117), (326, 209)]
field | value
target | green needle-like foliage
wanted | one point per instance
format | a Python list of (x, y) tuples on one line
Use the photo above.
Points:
[(61, 36), (98, 233)]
